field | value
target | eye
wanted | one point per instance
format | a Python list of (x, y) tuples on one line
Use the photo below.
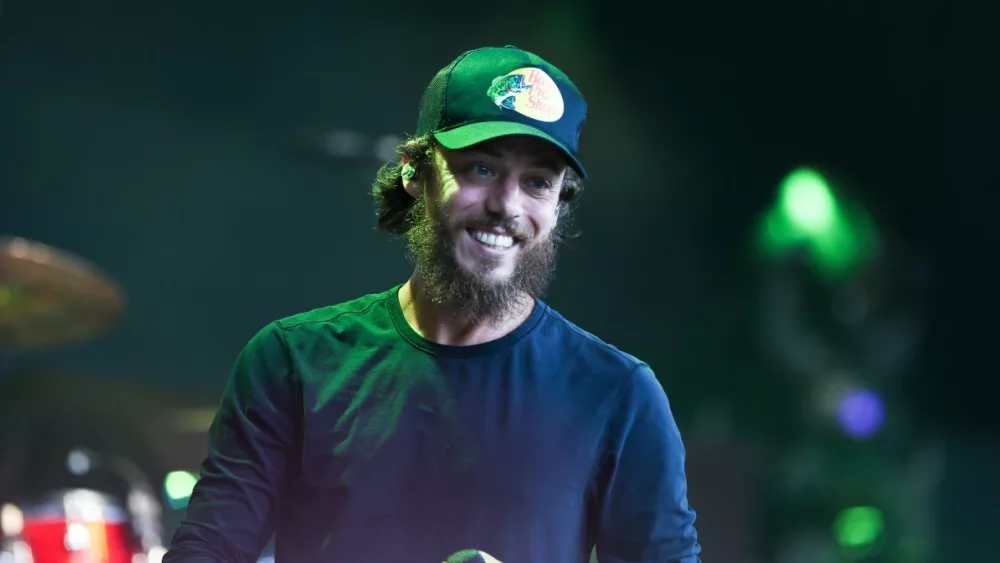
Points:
[(481, 170), (538, 183)]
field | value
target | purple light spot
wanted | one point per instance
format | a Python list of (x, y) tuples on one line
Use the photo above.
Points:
[(861, 413)]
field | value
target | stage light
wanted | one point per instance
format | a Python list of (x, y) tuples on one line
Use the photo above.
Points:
[(178, 487), (809, 215), (859, 529), (861, 413), (78, 462), (807, 202)]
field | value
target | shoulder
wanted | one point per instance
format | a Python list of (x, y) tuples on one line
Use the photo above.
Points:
[(348, 311), (582, 346), (364, 314), (325, 324), (627, 384), (618, 372)]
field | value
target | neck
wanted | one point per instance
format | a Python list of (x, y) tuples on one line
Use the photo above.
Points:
[(444, 326)]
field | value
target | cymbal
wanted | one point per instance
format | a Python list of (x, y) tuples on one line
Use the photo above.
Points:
[(49, 297)]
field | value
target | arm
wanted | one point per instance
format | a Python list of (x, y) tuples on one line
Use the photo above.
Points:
[(645, 517), (231, 514)]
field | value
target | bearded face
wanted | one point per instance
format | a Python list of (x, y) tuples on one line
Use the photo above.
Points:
[(482, 235)]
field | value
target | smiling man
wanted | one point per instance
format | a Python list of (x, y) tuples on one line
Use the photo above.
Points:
[(477, 257), (457, 410)]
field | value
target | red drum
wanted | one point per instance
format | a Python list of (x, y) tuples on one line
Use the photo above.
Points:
[(78, 526)]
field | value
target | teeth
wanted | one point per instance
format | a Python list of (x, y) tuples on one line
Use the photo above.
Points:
[(490, 239)]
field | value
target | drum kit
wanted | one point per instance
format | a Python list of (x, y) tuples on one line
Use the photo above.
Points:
[(50, 298)]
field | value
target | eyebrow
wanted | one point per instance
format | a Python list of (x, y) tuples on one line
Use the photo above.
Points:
[(554, 166)]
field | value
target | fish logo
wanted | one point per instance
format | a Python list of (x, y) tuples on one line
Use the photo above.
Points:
[(504, 89), (528, 91)]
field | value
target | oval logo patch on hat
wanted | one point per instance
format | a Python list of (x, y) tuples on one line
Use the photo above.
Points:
[(530, 92)]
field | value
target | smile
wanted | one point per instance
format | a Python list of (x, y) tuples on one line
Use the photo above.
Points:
[(492, 241)]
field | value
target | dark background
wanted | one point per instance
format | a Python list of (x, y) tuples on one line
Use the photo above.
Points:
[(165, 143)]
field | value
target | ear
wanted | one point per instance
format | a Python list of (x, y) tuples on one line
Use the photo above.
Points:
[(408, 175)]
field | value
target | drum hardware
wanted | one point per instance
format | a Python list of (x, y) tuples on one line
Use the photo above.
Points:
[(51, 298)]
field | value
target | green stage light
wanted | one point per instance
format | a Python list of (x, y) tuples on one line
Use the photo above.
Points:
[(178, 487), (858, 529)]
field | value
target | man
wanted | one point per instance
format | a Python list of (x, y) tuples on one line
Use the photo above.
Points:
[(457, 410)]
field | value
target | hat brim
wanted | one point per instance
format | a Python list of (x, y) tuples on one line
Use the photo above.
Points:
[(465, 136)]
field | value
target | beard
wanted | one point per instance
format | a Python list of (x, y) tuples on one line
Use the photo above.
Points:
[(431, 247)]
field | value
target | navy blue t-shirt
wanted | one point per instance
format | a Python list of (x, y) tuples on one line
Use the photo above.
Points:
[(355, 440)]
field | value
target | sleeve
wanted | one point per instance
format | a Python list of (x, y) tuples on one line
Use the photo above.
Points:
[(232, 510), (645, 517)]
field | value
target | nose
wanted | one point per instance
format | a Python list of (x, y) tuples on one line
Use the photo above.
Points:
[(504, 198)]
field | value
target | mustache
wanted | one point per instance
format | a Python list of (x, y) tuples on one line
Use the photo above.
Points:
[(509, 227)]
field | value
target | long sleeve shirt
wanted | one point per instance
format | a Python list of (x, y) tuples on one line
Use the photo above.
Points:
[(353, 439)]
